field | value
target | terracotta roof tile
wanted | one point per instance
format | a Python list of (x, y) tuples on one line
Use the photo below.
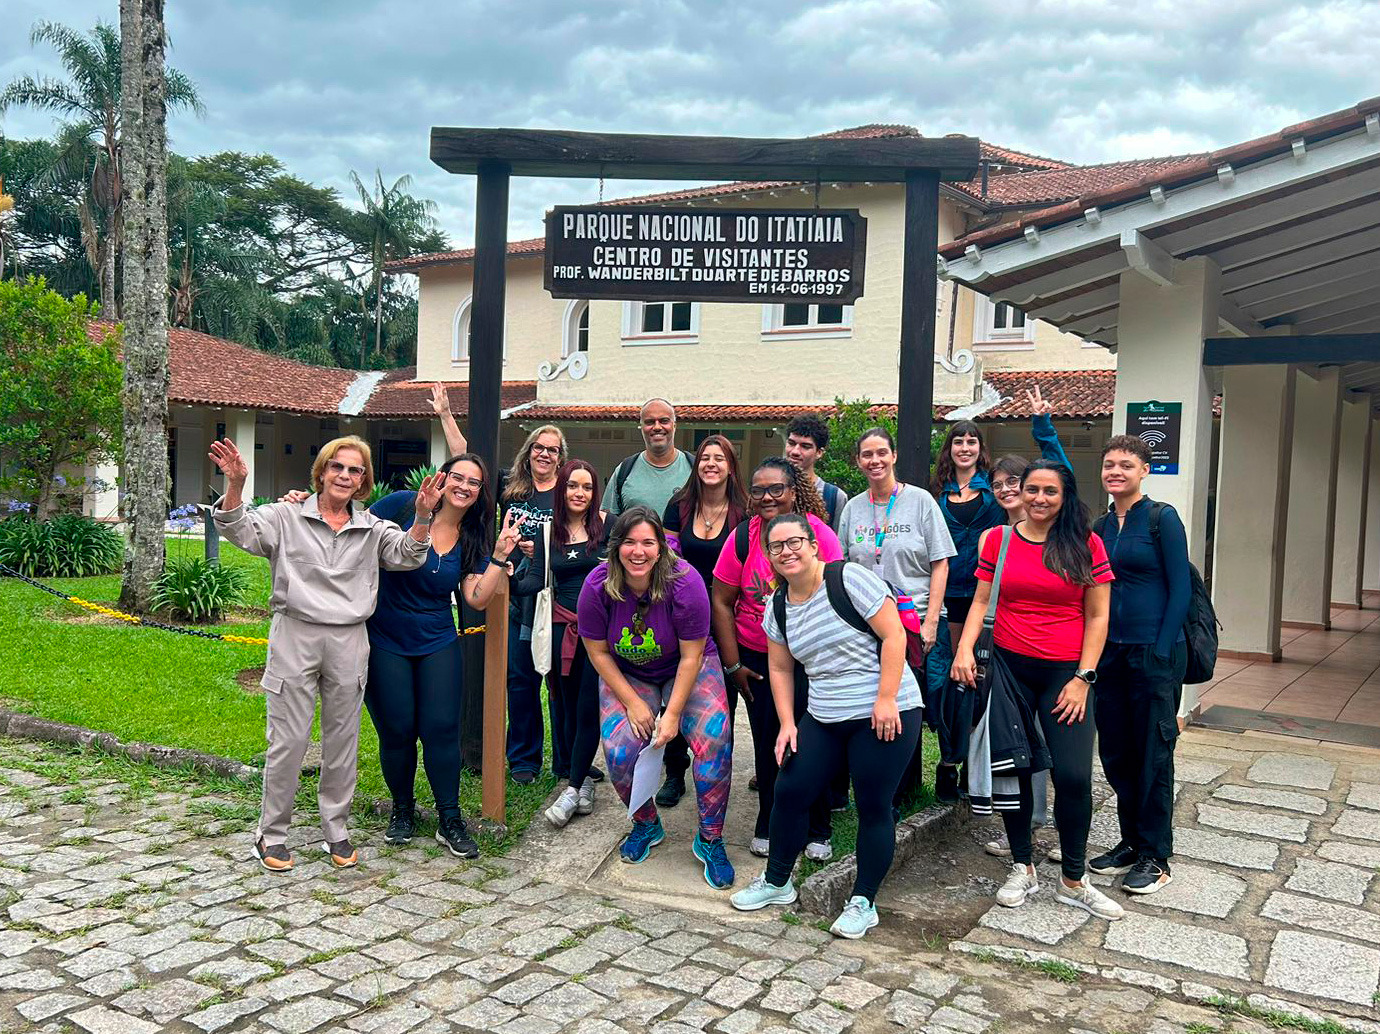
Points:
[(1074, 394), (1065, 184), (401, 395)]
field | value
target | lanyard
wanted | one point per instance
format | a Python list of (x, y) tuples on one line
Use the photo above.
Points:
[(880, 529)]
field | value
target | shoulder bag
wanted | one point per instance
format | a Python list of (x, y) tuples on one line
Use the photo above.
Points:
[(542, 610)]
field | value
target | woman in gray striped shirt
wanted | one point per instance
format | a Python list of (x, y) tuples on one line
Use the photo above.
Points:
[(840, 622)]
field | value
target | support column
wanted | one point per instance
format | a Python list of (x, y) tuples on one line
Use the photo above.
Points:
[(102, 498), (919, 283), (1312, 499), (1160, 359), (243, 431), (1370, 573), (1253, 475), (1349, 525)]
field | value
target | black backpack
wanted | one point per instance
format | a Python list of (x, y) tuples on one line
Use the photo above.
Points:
[(1201, 624), (838, 599)]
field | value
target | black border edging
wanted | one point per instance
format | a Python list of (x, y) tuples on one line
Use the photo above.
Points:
[(18, 725), (827, 891)]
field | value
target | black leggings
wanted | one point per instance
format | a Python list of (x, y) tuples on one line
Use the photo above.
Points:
[(876, 767), (1071, 748), (418, 697), (579, 695), (766, 726)]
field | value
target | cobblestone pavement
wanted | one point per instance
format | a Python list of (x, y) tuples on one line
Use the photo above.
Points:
[(133, 908), (1277, 844)]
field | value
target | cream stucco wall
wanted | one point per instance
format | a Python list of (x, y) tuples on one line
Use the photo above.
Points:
[(1050, 348)]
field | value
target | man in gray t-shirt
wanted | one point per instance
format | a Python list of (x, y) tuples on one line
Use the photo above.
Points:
[(652, 476)]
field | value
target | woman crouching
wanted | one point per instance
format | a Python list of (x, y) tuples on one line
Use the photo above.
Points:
[(840, 622), (644, 620)]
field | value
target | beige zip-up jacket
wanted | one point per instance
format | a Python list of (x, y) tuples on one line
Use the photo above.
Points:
[(321, 575)]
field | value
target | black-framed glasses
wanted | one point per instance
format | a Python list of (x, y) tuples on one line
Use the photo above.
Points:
[(456, 478), (335, 467), (1014, 484), (776, 491), (546, 450), (794, 544)]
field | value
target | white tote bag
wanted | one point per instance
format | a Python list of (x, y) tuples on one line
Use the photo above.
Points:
[(541, 613)]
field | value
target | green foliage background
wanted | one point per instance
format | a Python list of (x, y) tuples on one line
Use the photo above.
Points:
[(850, 420)]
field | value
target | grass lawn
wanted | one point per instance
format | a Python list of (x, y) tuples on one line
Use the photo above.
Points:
[(159, 687)]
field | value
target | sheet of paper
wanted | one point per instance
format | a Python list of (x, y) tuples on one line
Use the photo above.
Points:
[(646, 777)]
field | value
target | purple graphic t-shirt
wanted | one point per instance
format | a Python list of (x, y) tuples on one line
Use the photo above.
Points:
[(649, 648)]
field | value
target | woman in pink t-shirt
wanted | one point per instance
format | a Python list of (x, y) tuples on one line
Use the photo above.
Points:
[(743, 582)]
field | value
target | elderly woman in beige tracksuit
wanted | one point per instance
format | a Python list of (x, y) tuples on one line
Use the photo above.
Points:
[(324, 558)]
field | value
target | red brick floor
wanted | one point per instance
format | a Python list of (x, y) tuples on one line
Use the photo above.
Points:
[(1333, 675)]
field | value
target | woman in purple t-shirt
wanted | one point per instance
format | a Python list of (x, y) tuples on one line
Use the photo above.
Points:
[(644, 620)]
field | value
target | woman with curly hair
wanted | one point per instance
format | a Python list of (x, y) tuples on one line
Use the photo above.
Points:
[(743, 583)]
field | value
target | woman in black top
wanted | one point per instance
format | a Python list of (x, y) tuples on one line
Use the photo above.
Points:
[(711, 505), (699, 518), (577, 535)]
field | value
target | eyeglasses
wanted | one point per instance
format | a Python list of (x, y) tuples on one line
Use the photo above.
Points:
[(453, 477), (335, 468), (762, 491), (1013, 484), (546, 450), (794, 544)]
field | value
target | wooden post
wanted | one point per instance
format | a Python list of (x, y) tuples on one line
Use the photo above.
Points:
[(494, 777), (919, 284), (485, 391)]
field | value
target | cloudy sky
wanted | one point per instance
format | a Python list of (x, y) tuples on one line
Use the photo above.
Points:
[(357, 84)]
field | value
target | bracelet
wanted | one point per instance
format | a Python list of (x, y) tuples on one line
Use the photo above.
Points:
[(500, 560), (424, 522), (732, 668)]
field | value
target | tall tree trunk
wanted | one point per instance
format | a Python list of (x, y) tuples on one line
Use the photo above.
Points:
[(378, 315), (144, 102), (109, 307)]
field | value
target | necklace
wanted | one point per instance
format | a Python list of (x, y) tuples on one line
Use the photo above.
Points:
[(709, 521)]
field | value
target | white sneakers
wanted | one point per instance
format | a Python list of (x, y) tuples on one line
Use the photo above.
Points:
[(1018, 886), (1088, 898), (566, 804), (760, 846), (819, 851)]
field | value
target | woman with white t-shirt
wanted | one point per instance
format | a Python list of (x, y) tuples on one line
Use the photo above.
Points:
[(840, 622)]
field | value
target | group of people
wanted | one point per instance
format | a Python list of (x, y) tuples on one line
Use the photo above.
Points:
[(986, 605)]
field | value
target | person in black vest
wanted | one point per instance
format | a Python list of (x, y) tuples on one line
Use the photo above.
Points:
[(1141, 674)]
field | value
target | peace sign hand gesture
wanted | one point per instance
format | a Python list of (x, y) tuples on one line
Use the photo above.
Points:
[(508, 536), (429, 494), (1039, 405), (227, 457)]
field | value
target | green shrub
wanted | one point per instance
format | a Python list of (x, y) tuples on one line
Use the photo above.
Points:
[(380, 489), (69, 546), (194, 589), (413, 480), (849, 421)]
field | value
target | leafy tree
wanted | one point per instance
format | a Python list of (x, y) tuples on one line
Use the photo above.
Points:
[(91, 138), (59, 392), (394, 219), (848, 422)]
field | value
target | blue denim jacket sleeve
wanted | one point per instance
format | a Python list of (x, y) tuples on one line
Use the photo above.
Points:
[(1042, 430)]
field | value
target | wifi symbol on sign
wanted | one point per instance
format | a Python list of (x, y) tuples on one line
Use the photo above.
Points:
[(1153, 438)]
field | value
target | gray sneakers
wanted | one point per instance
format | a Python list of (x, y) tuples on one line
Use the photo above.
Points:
[(566, 804), (585, 802), (1088, 898), (1019, 885)]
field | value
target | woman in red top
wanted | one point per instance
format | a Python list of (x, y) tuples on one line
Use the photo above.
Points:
[(1051, 624)]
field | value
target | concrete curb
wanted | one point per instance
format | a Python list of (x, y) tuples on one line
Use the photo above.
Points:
[(18, 725), (826, 892)]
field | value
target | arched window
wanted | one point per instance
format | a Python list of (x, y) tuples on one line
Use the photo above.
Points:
[(460, 334), (576, 334)]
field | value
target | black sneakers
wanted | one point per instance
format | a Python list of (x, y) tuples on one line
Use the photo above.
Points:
[(672, 790), (1147, 876), (402, 824), (454, 836), (946, 784), (1119, 859)]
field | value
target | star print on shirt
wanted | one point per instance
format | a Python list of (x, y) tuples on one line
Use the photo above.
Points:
[(573, 554)]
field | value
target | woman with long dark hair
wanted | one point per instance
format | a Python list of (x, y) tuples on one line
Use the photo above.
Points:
[(897, 532), (743, 582), (644, 620), (577, 535), (1051, 625), (962, 485), (698, 519), (414, 681)]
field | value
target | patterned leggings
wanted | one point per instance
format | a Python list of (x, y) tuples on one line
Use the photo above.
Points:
[(705, 726)]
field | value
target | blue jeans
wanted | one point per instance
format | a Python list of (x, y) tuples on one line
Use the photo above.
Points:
[(526, 732)]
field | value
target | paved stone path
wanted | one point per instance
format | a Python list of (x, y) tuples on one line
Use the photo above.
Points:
[(1277, 845), (128, 911)]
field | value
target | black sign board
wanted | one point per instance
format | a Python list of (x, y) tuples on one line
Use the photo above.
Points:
[(1158, 425), (699, 255)]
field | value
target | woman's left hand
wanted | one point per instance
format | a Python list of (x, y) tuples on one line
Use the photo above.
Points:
[(886, 720), (429, 494), (667, 728), (508, 535), (1072, 705), (929, 632)]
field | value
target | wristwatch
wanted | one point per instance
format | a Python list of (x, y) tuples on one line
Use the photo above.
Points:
[(1088, 675)]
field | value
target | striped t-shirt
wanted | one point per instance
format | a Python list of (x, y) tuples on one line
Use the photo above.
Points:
[(841, 661)]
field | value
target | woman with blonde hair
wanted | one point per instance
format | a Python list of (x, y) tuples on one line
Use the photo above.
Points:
[(324, 558)]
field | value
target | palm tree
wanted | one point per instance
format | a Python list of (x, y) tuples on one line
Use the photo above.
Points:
[(89, 105), (393, 220)]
